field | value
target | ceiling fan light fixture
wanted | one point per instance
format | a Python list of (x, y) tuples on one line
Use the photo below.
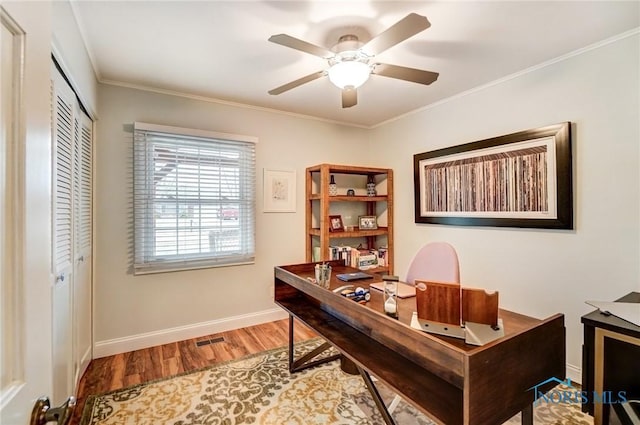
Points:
[(349, 73)]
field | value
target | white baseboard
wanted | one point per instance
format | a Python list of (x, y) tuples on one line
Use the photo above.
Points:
[(83, 364), (574, 373), (150, 339)]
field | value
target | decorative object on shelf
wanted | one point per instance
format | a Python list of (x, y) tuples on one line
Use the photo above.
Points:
[(351, 192), (333, 187), (371, 186), (335, 223), (521, 180), (367, 222), (390, 295), (279, 190)]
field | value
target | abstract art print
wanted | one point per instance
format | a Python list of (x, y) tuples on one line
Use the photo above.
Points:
[(517, 180)]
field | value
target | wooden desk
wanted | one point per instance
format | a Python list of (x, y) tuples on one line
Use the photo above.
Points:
[(610, 354), (451, 382)]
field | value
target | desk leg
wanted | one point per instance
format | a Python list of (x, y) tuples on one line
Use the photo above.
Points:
[(386, 416), (290, 343), (527, 415), (296, 365)]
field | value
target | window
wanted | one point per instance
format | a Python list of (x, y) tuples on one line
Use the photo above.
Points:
[(194, 199)]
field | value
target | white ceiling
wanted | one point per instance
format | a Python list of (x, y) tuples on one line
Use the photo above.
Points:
[(219, 49)]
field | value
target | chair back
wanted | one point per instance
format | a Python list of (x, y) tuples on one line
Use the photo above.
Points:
[(436, 261)]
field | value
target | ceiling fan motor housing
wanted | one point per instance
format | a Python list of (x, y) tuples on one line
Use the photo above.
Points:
[(347, 42), (348, 49)]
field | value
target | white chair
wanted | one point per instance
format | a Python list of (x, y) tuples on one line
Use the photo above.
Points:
[(436, 262)]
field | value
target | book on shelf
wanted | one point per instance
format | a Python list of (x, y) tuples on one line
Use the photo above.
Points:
[(367, 261), (383, 257), (363, 259), (341, 252), (316, 254)]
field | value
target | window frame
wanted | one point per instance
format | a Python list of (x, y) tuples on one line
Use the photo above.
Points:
[(146, 139)]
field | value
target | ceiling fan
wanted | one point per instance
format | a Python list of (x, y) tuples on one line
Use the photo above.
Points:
[(351, 62)]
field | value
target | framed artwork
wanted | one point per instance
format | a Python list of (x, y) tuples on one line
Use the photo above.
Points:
[(367, 222), (335, 223), (279, 190), (522, 179)]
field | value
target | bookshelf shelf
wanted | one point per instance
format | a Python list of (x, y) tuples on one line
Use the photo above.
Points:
[(345, 198), (320, 204), (380, 231)]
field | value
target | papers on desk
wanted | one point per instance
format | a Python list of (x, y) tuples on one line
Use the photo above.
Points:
[(625, 311), (404, 289)]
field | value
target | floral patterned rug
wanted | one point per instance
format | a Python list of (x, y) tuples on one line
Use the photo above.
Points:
[(260, 390)]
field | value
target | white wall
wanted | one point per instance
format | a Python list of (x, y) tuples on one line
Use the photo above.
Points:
[(70, 52), (541, 272), (134, 311)]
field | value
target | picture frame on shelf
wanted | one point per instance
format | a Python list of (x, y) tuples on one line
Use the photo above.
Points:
[(335, 223), (522, 179), (367, 222), (279, 190)]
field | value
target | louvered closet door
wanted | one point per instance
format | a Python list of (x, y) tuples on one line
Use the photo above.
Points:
[(73, 171), (63, 134), (64, 130), (82, 231)]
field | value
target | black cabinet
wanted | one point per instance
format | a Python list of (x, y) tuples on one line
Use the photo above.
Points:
[(610, 361)]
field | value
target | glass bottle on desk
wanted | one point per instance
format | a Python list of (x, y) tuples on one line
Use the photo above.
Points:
[(391, 295)]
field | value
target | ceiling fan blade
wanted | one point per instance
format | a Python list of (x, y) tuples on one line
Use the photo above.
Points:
[(403, 73), (349, 97), (303, 46), (406, 27), (300, 81)]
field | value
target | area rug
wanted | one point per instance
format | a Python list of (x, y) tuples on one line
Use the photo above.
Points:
[(260, 390)]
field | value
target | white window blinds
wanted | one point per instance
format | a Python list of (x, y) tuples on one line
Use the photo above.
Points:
[(194, 199)]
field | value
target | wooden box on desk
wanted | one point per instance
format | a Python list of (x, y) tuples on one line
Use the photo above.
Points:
[(452, 382)]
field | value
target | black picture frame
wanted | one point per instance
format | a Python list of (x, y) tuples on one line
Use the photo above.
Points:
[(522, 179)]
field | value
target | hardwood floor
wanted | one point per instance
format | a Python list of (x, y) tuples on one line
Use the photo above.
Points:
[(135, 367)]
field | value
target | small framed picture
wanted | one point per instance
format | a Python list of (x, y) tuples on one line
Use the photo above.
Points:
[(279, 190), (335, 223), (367, 222)]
